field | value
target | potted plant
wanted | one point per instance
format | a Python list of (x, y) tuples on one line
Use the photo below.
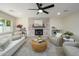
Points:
[(19, 26), (68, 34)]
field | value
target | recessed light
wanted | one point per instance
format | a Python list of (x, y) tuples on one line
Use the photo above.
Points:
[(11, 10), (66, 10), (58, 13)]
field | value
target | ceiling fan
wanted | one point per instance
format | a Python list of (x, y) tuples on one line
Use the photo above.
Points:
[(42, 9)]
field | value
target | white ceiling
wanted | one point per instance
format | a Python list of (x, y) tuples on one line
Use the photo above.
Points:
[(20, 9)]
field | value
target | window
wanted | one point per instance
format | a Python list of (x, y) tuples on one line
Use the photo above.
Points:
[(2, 23), (5, 25)]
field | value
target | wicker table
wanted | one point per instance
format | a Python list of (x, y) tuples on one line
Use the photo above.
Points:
[(39, 47)]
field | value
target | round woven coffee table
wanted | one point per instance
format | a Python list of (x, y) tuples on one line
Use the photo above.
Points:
[(39, 46)]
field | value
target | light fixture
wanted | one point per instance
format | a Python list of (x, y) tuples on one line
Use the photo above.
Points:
[(40, 11), (58, 13)]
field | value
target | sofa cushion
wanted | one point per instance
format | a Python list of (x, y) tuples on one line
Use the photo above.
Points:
[(74, 44), (4, 42), (1, 49), (16, 37), (71, 51), (68, 40), (77, 44), (69, 44)]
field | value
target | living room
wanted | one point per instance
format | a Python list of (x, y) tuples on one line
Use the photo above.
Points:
[(60, 19)]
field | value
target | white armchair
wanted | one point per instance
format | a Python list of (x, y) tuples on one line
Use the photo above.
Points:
[(57, 40)]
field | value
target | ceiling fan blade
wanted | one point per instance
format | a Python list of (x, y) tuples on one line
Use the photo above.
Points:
[(48, 6), (45, 12), (38, 5), (32, 9)]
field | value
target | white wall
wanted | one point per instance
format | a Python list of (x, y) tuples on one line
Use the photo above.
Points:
[(71, 23)]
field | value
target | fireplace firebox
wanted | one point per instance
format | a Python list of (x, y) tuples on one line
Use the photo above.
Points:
[(38, 31)]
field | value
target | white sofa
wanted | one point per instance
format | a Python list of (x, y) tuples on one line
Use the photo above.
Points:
[(12, 47), (71, 48)]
